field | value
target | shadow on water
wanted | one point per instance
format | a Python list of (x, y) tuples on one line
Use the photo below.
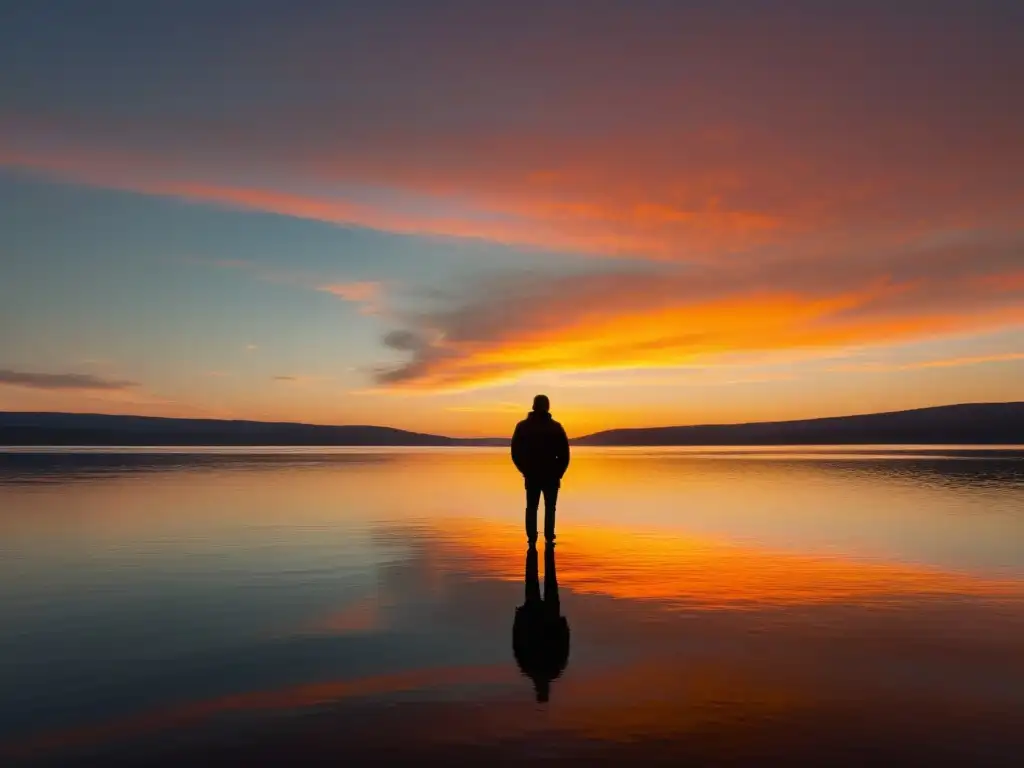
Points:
[(540, 633)]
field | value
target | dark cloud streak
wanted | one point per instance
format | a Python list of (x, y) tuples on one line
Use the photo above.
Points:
[(59, 381)]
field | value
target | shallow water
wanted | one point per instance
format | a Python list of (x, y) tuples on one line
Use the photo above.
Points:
[(814, 606)]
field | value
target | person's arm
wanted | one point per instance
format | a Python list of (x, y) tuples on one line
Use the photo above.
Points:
[(563, 452), (517, 448)]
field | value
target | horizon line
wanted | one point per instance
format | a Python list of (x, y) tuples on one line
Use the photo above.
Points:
[(494, 437)]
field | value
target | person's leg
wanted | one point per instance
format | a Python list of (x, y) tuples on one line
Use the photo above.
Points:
[(550, 501), (533, 491)]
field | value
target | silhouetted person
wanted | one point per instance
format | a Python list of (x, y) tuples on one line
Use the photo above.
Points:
[(540, 450), (540, 634)]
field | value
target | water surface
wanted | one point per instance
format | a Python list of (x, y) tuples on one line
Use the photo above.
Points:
[(814, 605)]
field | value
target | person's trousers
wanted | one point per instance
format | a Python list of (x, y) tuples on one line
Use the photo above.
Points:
[(534, 490)]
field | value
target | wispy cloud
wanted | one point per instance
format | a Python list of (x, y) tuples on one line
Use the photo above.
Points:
[(713, 375), (367, 294), (298, 378), (503, 407), (69, 381), (359, 291), (952, 362)]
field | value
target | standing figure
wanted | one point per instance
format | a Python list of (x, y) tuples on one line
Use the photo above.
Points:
[(540, 451)]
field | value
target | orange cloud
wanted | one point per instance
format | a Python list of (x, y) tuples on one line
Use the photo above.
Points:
[(734, 190), (150, 175), (834, 288), (367, 294), (623, 130), (659, 321), (783, 221), (653, 229), (358, 292)]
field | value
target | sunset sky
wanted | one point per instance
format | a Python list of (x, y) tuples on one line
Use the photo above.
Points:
[(419, 214)]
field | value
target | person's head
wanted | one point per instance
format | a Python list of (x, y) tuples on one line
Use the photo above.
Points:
[(541, 404)]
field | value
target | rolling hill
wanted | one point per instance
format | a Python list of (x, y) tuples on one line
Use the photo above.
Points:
[(975, 423), (33, 429)]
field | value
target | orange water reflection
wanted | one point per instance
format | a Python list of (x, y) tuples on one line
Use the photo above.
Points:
[(791, 677), (702, 609), (296, 697), (947, 514), (687, 571)]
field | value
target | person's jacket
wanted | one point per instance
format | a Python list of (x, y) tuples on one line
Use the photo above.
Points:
[(540, 448)]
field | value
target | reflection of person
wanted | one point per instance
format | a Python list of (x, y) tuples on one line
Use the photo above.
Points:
[(540, 450), (540, 633)]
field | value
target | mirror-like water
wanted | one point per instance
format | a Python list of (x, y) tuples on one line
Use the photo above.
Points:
[(819, 606)]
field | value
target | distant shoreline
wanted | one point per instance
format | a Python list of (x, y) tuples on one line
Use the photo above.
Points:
[(967, 424), (731, 451), (973, 424)]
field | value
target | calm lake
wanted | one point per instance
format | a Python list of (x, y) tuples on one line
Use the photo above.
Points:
[(832, 606)]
